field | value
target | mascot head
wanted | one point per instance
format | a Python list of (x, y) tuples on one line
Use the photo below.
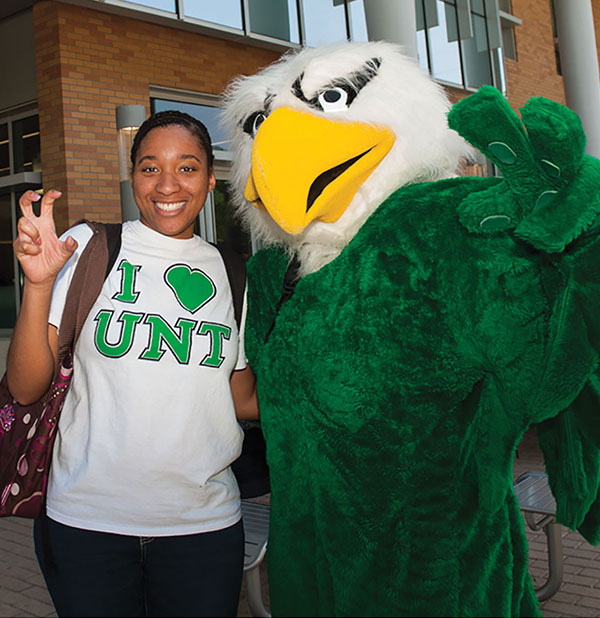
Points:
[(322, 136)]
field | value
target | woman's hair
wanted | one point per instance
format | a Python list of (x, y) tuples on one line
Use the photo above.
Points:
[(173, 117)]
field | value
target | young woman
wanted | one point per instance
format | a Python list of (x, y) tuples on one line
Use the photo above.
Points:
[(143, 509)]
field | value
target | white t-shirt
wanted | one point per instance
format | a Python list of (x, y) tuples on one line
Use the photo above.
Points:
[(148, 428)]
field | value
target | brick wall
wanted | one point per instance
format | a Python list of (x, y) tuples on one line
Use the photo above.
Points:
[(87, 64), (534, 72)]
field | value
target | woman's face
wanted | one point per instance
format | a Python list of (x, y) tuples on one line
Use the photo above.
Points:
[(171, 180)]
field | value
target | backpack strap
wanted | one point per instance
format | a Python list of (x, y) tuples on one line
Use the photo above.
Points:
[(236, 273), (93, 266), (113, 242)]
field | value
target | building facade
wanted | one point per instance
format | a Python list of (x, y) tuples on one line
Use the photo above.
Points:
[(67, 65)]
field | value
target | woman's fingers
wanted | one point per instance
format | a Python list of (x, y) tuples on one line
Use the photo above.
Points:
[(69, 245), (28, 240), (24, 247), (26, 202), (48, 202), (46, 205), (28, 231)]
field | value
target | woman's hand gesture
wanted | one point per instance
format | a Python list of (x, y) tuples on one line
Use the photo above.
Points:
[(37, 247)]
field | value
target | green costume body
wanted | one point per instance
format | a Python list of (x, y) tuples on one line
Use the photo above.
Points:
[(399, 378)]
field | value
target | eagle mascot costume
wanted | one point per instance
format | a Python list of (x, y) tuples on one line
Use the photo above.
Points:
[(407, 324)]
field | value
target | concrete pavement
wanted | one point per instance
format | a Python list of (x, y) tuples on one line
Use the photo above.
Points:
[(23, 593)]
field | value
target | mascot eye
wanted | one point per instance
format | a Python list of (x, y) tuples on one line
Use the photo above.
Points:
[(333, 100), (253, 122)]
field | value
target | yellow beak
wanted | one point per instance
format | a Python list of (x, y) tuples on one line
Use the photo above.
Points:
[(307, 168)]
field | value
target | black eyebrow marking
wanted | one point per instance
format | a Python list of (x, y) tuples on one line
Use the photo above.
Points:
[(246, 123), (267, 105), (356, 81)]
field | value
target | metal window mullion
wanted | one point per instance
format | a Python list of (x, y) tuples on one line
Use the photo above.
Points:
[(301, 26), (420, 3), (498, 59), (492, 20), (347, 21), (245, 8)]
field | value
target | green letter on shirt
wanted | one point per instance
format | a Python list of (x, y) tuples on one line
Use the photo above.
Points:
[(160, 331), (217, 333), (128, 324)]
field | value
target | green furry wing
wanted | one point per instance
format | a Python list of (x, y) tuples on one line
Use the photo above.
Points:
[(550, 197)]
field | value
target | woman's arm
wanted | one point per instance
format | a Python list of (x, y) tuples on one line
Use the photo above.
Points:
[(243, 391), (33, 350)]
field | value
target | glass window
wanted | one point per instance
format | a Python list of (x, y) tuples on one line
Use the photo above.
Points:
[(4, 151), (163, 5), (444, 55), (228, 230), (8, 303), (454, 45), (324, 22), (208, 115), (26, 145), (358, 22), (509, 45), (224, 12), (275, 18), (476, 54), (422, 50)]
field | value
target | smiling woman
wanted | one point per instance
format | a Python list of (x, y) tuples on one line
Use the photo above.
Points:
[(171, 178), (149, 426)]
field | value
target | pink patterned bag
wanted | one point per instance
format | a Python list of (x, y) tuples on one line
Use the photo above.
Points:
[(27, 433), (26, 438)]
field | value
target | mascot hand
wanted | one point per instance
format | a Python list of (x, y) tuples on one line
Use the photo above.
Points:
[(550, 189)]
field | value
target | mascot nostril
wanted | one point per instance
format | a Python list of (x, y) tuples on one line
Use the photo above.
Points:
[(329, 176), (409, 325)]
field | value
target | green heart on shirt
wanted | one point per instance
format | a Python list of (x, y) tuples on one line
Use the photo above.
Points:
[(191, 287)]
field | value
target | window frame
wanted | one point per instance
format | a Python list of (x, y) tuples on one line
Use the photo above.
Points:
[(463, 11), (245, 32), (14, 184)]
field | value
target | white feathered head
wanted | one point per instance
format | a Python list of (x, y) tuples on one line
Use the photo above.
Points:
[(322, 136)]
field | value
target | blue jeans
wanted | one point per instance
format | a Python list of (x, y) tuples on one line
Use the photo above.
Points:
[(101, 574)]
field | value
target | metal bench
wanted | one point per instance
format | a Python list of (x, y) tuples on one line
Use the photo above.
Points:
[(255, 517), (539, 509)]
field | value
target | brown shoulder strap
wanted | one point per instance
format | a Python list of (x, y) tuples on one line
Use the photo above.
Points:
[(86, 284)]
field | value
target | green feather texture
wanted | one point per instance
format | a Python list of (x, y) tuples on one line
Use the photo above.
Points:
[(549, 192), (398, 380)]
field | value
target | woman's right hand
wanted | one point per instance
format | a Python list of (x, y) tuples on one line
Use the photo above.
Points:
[(37, 247)]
